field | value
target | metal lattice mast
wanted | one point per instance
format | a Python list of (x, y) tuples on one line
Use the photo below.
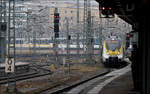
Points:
[(68, 45), (19, 21), (11, 42), (11, 29), (100, 38), (85, 22), (2, 30), (87, 30), (27, 25), (78, 27), (34, 35), (78, 12)]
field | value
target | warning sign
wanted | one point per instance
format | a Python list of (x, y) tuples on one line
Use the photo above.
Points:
[(9, 65)]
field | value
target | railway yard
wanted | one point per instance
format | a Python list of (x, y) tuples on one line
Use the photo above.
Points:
[(57, 47), (45, 75), (48, 76)]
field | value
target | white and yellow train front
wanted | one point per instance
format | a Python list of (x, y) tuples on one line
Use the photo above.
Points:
[(112, 52)]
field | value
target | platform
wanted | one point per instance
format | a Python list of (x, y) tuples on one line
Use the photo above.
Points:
[(121, 85)]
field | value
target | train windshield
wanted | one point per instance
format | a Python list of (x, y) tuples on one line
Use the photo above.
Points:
[(113, 45)]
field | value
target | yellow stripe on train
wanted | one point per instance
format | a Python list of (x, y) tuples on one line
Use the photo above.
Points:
[(116, 52), (105, 46)]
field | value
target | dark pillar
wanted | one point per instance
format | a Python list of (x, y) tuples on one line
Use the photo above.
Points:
[(144, 45)]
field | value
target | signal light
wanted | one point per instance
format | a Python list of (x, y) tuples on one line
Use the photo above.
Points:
[(109, 8), (128, 36), (103, 8), (56, 17)]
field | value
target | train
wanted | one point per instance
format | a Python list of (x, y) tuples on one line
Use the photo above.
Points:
[(50, 40), (113, 51), (48, 43)]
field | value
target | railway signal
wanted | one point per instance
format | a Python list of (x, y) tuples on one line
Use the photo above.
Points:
[(56, 33), (56, 25), (107, 9), (127, 40)]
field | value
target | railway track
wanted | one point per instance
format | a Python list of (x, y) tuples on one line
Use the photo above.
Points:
[(92, 85), (24, 76), (60, 89)]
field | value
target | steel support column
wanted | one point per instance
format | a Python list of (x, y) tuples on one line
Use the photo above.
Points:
[(11, 42), (144, 52)]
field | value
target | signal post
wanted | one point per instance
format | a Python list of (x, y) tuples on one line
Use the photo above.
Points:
[(56, 32)]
